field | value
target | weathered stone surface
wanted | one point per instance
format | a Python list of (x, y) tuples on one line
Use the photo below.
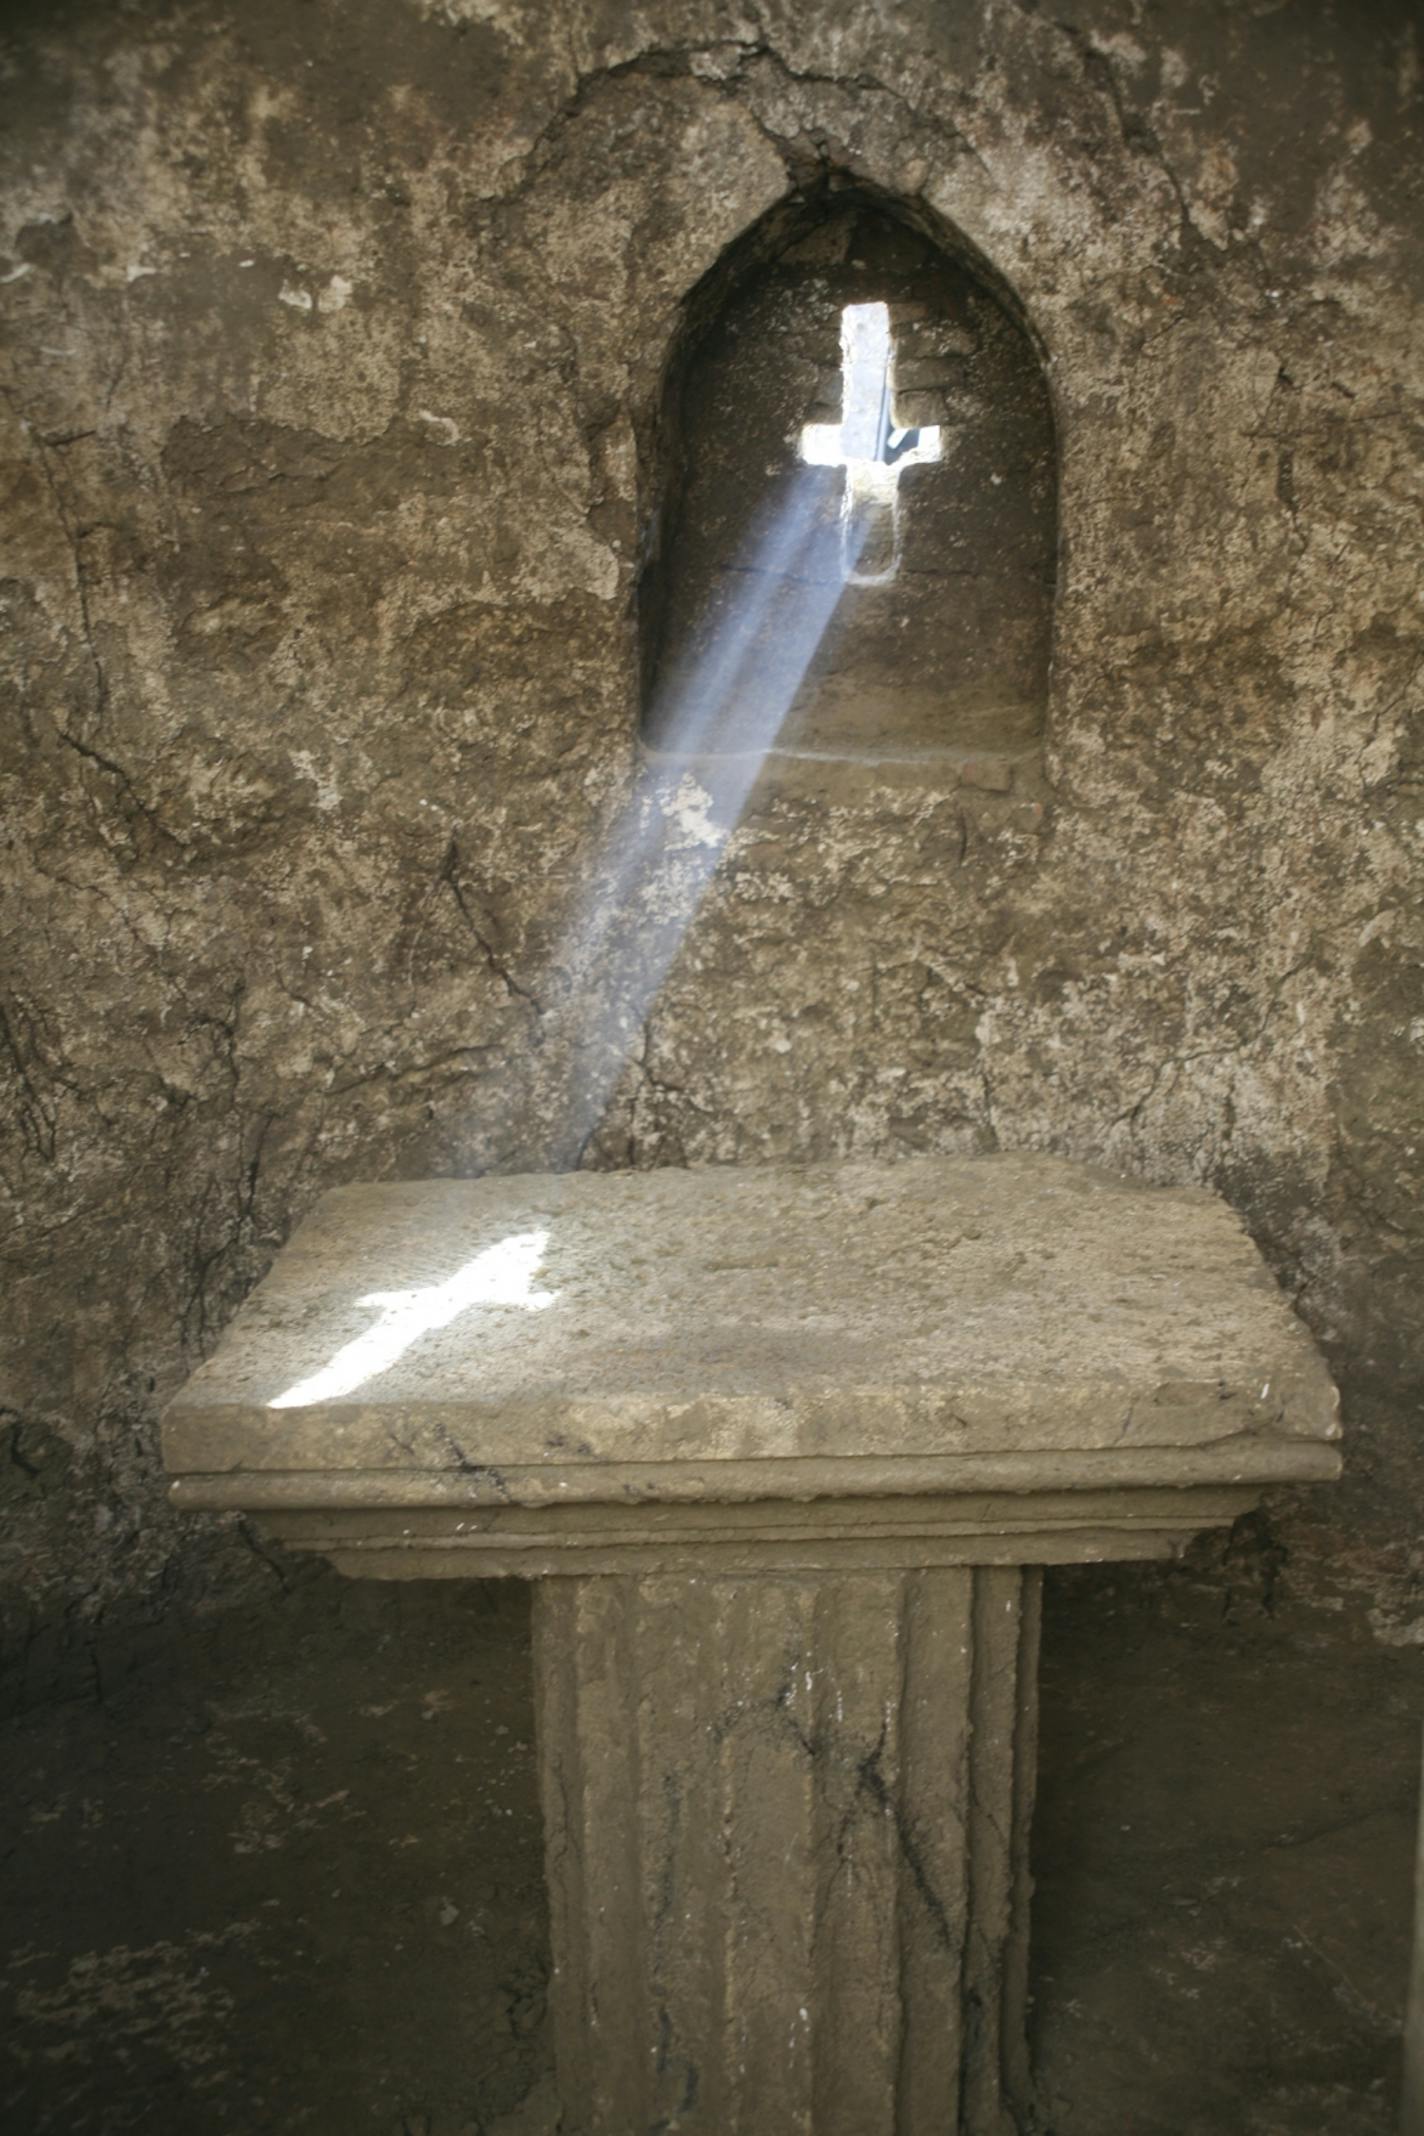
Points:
[(787, 1851), (756, 1316)]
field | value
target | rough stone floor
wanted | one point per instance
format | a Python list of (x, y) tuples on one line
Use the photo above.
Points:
[(281, 1870)]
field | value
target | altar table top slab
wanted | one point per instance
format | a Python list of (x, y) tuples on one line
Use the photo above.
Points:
[(1014, 1316)]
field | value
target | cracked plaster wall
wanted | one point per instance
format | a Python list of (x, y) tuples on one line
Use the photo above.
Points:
[(335, 340)]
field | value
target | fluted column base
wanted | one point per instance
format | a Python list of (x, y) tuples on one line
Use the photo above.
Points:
[(787, 1831)]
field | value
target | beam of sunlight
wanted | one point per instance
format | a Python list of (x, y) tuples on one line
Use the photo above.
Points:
[(502, 1275), (664, 846), (704, 688), (717, 714)]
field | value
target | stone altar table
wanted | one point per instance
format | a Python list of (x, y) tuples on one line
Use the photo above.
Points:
[(782, 1449)]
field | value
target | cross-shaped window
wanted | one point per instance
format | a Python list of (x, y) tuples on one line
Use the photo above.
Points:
[(865, 442), (865, 436)]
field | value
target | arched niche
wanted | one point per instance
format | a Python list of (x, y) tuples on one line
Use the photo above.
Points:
[(824, 583)]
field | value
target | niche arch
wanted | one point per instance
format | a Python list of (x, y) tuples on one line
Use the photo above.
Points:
[(813, 587)]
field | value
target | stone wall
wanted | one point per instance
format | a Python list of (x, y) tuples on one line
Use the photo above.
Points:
[(337, 335)]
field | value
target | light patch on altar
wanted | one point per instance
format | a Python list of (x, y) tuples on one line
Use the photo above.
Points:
[(502, 1275)]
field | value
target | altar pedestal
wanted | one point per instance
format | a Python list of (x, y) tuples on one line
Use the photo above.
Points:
[(787, 1841), (782, 1449)]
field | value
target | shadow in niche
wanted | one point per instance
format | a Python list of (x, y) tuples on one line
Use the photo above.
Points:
[(934, 634), (660, 853)]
